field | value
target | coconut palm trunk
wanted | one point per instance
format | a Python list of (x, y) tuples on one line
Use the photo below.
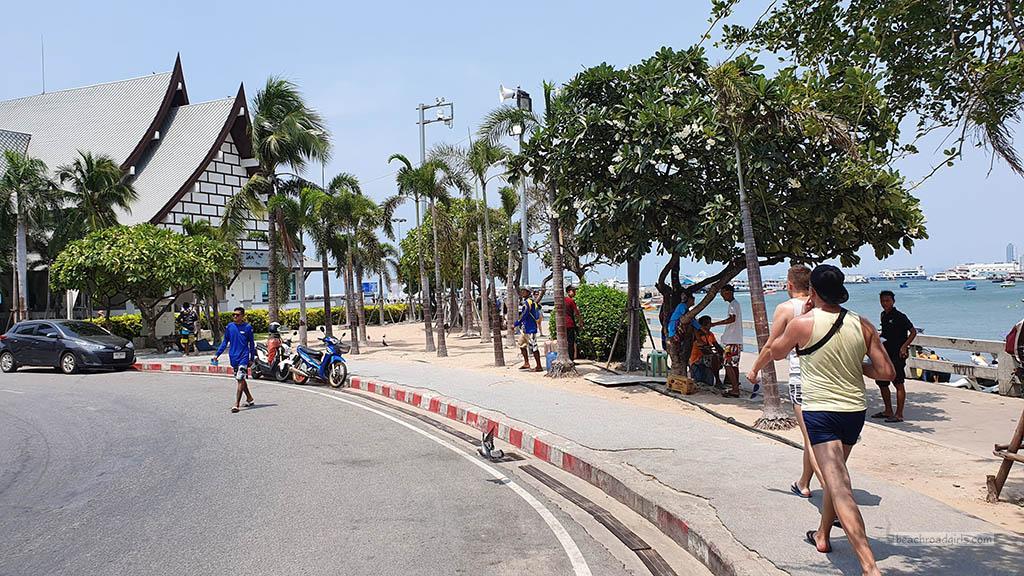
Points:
[(21, 250), (772, 416), (442, 346), (361, 303), (491, 290), (485, 309), (328, 320), (300, 293), (511, 295), (563, 365), (424, 286), (380, 298), (274, 262), (350, 312), (467, 293)]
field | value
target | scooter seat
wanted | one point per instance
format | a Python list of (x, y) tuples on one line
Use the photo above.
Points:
[(314, 354)]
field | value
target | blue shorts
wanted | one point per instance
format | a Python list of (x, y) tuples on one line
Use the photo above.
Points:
[(828, 426)]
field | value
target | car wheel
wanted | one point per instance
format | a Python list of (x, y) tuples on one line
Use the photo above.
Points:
[(68, 363), (7, 363)]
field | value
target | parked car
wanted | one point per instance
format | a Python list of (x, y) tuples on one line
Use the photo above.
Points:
[(68, 345)]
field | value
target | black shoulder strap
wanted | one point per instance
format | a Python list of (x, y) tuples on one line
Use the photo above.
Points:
[(824, 339)]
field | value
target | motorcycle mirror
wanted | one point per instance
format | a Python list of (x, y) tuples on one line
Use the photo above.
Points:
[(321, 328)]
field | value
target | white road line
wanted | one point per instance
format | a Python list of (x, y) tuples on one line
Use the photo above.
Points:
[(579, 563)]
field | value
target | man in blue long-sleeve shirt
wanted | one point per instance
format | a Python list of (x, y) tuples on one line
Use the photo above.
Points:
[(242, 351)]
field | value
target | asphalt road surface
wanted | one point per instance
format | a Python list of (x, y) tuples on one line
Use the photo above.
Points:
[(142, 473)]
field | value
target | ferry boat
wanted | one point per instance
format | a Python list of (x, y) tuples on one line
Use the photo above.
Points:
[(857, 279), (903, 274)]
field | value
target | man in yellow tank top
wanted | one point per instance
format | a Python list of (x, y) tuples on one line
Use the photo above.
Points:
[(832, 344)]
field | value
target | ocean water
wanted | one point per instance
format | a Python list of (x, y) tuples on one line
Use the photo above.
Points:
[(939, 308)]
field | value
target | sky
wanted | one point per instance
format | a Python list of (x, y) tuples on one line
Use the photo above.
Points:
[(366, 65)]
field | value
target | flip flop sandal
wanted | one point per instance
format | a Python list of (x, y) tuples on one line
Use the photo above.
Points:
[(893, 419), (234, 409), (879, 415), (796, 490), (249, 404), (809, 537)]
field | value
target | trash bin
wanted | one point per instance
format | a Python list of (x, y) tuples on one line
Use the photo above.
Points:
[(549, 359), (657, 364)]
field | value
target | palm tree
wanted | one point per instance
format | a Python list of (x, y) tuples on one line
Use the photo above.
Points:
[(323, 229), (96, 186), (294, 215), (28, 194), (480, 158), (353, 211), (748, 106), (285, 132), (409, 179), (511, 120), (509, 203)]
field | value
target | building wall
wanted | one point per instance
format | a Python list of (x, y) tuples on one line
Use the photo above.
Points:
[(223, 178)]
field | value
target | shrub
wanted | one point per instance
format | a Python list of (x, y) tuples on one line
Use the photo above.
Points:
[(126, 326), (602, 310)]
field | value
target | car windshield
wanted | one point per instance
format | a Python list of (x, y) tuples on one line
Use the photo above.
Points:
[(84, 329)]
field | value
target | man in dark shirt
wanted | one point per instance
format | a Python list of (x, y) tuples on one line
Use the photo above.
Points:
[(187, 319), (897, 334), (573, 320)]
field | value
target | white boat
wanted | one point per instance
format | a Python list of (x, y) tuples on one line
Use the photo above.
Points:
[(1008, 284), (904, 274), (857, 279)]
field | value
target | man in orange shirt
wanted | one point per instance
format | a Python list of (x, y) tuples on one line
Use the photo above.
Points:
[(706, 355)]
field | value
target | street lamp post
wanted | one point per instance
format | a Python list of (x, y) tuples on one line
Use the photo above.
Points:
[(523, 102)]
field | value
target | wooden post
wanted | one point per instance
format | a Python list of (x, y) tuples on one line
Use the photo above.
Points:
[(1009, 455)]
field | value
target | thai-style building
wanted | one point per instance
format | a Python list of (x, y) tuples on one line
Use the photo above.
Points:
[(184, 159)]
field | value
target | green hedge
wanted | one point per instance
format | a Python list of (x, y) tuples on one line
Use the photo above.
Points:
[(126, 326), (601, 307)]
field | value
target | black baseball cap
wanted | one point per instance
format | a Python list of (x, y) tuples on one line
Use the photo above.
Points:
[(827, 281)]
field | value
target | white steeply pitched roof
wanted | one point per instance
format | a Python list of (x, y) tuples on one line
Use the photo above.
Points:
[(106, 118), (15, 141), (186, 138)]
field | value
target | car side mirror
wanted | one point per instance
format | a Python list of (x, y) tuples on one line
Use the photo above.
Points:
[(52, 335)]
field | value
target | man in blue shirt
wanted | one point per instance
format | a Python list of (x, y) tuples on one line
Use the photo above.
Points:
[(238, 336), (529, 315), (679, 342)]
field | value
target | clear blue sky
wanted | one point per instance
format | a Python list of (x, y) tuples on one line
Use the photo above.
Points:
[(366, 65)]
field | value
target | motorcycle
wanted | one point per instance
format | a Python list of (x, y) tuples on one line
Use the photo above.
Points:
[(328, 366), (281, 369)]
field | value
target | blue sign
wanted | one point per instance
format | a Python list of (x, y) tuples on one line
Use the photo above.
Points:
[(370, 287)]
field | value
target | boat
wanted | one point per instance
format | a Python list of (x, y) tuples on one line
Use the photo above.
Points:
[(970, 285), (1008, 284), (857, 279), (904, 284), (903, 274)]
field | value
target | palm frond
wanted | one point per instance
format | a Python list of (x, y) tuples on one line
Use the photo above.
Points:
[(498, 123)]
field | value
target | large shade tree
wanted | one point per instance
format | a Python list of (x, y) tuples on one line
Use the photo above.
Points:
[(645, 155), (285, 132)]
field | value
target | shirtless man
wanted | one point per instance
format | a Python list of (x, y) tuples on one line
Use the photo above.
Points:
[(798, 284), (832, 343)]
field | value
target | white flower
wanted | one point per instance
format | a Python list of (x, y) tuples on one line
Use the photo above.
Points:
[(793, 183)]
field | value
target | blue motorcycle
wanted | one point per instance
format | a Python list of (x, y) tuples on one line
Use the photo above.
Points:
[(328, 366)]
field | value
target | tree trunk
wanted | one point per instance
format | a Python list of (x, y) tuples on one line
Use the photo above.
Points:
[(22, 259), (485, 308), (300, 290), (563, 365), (149, 318), (361, 303), (442, 346), (350, 317), (380, 298), (633, 333), (424, 285), (492, 288), (772, 416), (467, 293), (273, 268), (215, 321), (511, 295), (328, 321)]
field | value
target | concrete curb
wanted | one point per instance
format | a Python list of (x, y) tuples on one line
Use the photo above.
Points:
[(688, 520)]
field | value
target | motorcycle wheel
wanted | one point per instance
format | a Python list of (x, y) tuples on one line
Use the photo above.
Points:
[(338, 374), (282, 374), (300, 378)]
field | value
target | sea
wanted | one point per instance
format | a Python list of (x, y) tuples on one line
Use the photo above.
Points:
[(935, 308)]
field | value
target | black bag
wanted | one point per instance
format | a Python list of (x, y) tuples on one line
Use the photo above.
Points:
[(824, 339)]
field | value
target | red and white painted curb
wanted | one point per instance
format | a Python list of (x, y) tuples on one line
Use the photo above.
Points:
[(731, 559)]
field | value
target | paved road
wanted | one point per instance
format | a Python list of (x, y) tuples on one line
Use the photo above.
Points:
[(150, 474)]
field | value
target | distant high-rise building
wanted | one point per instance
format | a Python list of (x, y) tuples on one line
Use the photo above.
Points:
[(1011, 252)]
